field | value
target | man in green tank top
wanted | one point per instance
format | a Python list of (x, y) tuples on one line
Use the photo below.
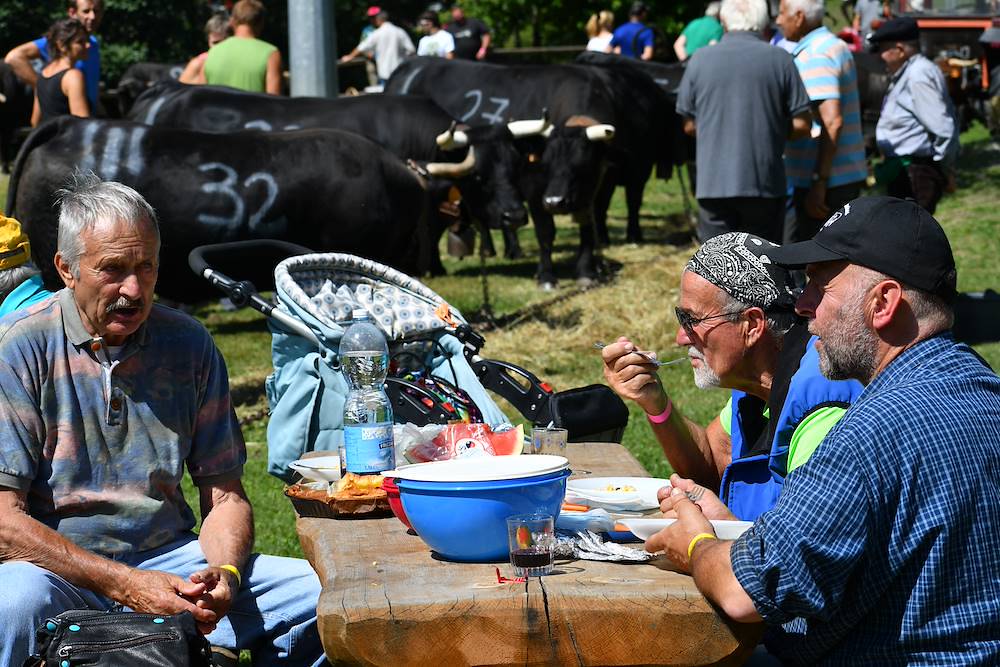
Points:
[(243, 61)]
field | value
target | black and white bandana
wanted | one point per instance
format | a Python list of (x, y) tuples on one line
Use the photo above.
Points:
[(737, 263)]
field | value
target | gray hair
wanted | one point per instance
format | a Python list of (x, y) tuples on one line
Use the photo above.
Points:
[(749, 15), (778, 323), (929, 309), (87, 203), (14, 276), (713, 9), (813, 10), (218, 24)]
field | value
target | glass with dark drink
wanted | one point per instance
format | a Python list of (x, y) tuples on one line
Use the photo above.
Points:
[(532, 541)]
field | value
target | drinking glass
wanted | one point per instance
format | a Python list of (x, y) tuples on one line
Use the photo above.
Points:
[(532, 540), (549, 440)]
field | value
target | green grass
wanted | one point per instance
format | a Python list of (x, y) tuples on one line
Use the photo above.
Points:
[(551, 333)]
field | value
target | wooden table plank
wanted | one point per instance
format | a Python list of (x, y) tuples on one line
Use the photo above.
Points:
[(387, 601)]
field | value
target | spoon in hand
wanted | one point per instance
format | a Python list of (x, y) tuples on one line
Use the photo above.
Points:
[(653, 360)]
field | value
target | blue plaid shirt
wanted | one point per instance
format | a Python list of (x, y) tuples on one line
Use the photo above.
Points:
[(884, 548)]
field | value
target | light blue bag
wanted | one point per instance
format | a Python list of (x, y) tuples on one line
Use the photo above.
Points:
[(306, 391)]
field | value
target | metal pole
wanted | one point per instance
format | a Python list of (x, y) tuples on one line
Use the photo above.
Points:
[(312, 40)]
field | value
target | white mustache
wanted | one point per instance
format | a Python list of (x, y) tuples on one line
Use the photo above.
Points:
[(122, 303), (694, 353)]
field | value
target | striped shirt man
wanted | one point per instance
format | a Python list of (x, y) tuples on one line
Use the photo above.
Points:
[(828, 72)]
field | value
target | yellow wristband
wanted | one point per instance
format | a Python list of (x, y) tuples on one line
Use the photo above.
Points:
[(698, 538), (236, 573)]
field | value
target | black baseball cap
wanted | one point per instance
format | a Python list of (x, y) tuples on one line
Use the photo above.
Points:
[(892, 236), (899, 29)]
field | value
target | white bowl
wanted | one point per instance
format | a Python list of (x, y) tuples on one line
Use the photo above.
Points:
[(320, 468), (481, 468)]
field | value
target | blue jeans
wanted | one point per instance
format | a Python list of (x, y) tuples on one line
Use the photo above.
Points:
[(273, 615)]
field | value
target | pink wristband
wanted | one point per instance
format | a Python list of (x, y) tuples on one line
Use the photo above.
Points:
[(663, 416)]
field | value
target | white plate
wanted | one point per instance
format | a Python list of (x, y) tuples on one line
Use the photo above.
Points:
[(319, 468), (646, 528), (481, 468), (592, 492)]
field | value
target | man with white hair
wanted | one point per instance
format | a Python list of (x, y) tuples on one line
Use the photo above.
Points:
[(105, 399), (917, 132), (703, 31), (882, 547), (737, 320), (742, 99), (826, 171)]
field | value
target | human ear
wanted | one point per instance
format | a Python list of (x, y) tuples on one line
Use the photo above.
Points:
[(886, 298)]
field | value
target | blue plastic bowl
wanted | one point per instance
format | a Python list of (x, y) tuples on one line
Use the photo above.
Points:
[(467, 521)]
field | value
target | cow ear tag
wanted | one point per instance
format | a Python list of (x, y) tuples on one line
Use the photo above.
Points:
[(454, 195)]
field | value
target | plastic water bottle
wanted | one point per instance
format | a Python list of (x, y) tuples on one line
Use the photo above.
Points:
[(364, 359)]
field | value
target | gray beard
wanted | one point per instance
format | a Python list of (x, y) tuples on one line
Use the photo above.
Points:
[(849, 347), (704, 376)]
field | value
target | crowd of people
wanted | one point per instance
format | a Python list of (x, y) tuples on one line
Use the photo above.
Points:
[(859, 436)]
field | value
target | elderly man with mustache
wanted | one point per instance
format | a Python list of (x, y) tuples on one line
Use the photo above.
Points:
[(105, 399), (738, 321)]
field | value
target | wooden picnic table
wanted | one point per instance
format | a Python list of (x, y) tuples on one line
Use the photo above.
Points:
[(387, 601)]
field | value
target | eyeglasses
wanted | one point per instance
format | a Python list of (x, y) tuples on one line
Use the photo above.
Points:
[(688, 323)]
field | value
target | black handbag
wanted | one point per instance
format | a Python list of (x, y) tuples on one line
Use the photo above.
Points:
[(591, 414), (120, 639)]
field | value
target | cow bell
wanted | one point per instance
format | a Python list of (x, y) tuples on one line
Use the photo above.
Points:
[(600, 132)]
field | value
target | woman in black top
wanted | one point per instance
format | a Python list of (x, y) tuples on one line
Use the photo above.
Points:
[(60, 89)]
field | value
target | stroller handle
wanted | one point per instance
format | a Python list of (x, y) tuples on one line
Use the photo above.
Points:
[(243, 293)]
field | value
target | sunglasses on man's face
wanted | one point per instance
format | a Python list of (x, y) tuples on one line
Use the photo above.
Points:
[(688, 322)]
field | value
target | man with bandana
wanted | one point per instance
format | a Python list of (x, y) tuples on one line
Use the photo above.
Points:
[(737, 319)]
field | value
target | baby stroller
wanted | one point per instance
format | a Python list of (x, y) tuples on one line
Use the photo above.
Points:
[(436, 373)]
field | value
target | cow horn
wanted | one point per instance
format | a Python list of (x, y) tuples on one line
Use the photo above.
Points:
[(602, 132), (3, 98), (530, 128), (452, 138), (527, 128), (454, 169)]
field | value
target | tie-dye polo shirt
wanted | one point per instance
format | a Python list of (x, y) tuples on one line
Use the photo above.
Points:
[(100, 443)]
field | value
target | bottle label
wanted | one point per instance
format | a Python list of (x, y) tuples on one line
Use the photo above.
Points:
[(368, 448)]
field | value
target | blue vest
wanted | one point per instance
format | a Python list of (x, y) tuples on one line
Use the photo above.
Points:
[(752, 482)]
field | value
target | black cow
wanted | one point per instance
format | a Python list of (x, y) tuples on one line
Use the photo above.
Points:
[(16, 100), (140, 76), (600, 117), (324, 189), (410, 127)]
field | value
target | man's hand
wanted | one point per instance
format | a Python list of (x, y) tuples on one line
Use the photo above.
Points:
[(155, 592), (816, 201), (710, 505), (633, 377), (675, 538), (220, 589)]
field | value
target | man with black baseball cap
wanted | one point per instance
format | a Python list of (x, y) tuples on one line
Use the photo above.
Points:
[(881, 548), (917, 131)]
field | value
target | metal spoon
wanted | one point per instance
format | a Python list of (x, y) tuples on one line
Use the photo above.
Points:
[(656, 362)]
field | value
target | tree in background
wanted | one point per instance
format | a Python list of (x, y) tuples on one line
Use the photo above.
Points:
[(170, 31)]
